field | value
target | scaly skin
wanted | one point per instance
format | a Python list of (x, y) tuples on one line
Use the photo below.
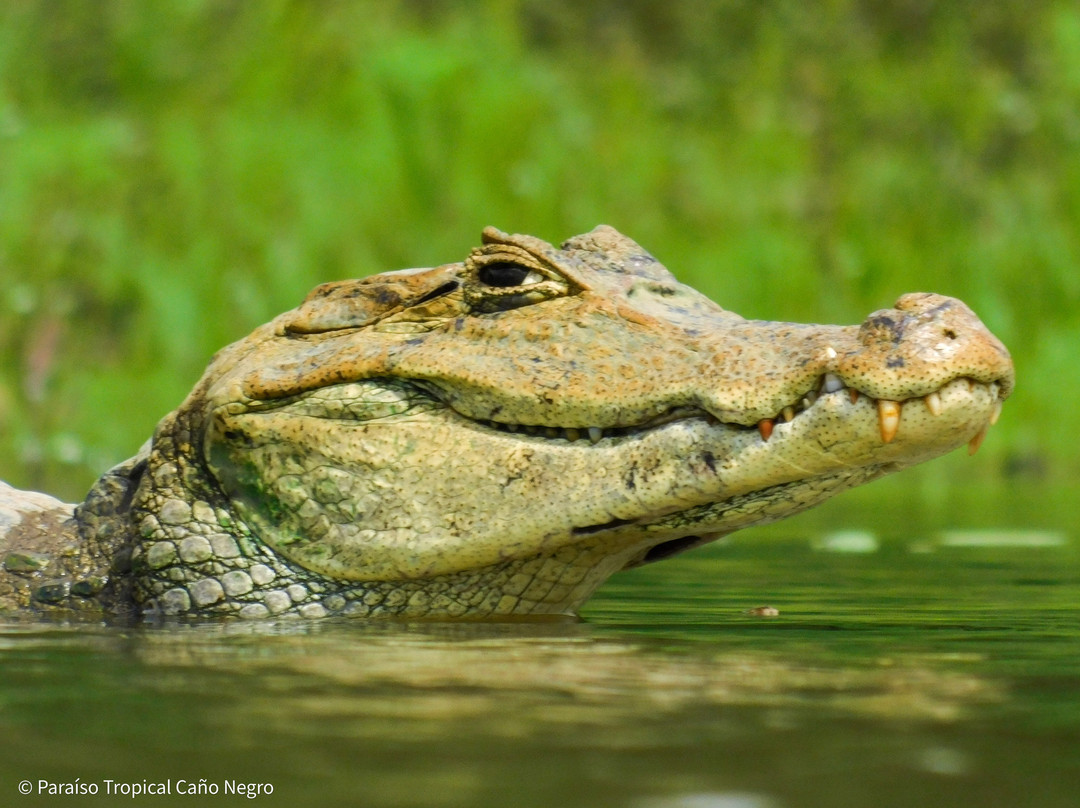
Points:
[(496, 437)]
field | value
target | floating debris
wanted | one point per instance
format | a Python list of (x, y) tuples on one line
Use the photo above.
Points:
[(763, 611), (847, 541)]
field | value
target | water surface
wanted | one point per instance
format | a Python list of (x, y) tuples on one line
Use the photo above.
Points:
[(907, 667)]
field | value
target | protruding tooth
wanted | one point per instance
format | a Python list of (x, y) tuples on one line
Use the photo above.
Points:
[(512, 427), (933, 403), (788, 413), (888, 418), (595, 433), (976, 442), (809, 399), (830, 383), (765, 426), (553, 432), (572, 434), (996, 413), (853, 394)]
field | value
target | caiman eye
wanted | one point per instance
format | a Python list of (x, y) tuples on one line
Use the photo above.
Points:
[(506, 274), (501, 277)]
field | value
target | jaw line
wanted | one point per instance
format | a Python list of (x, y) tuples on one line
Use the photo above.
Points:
[(803, 403), (693, 477)]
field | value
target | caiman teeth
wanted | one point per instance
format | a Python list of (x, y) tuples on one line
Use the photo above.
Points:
[(595, 434), (830, 383), (976, 442), (765, 427), (933, 403), (888, 418), (888, 411)]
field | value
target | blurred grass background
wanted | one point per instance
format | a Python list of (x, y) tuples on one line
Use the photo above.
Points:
[(173, 174)]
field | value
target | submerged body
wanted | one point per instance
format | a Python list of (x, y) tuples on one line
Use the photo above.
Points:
[(496, 437)]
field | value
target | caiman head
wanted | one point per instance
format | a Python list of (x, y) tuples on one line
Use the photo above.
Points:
[(498, 436)]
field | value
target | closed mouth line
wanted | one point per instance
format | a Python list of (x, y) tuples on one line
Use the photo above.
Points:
[(888, 416)]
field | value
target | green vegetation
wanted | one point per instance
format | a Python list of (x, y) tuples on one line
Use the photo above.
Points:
[(174, 173)]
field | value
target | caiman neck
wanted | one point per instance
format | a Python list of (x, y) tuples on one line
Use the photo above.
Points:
[(191, 556)]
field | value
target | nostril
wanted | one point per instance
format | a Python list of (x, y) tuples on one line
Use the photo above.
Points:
[(950, 333)]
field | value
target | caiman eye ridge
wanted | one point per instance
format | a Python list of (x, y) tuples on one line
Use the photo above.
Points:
[(888, 416)]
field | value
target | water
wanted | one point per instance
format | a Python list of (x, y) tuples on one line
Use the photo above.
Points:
[(905, 668)]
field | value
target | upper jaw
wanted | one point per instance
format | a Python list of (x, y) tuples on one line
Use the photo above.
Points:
[(746, 372), (614, 376), (889, 414)]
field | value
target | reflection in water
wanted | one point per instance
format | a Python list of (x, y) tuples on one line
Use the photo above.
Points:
[(524, 675), (888, 677)]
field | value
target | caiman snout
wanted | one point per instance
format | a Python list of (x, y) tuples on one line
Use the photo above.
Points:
[(920, 345)]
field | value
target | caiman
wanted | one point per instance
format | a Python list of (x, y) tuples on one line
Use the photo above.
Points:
[(495, 437)]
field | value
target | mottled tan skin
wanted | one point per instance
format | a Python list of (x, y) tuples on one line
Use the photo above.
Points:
[(495, 437)]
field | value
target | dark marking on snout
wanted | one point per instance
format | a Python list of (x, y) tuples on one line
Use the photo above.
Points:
[(386, 298), (883, 328), (710, 460)]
